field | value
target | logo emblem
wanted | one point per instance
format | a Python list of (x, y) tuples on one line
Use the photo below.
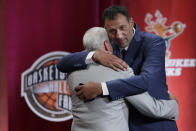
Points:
[(45, 89), (166, 32), (158, 26)]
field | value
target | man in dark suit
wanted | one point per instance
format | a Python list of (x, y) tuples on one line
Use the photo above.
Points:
[(144, 52)]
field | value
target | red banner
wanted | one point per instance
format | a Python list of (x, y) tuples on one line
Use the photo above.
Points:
[(3, 67), (37, 31), (35, 28), (174, 21)]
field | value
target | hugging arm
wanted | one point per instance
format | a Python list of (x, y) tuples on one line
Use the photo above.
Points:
[(72, 62), (151, 71), (76, 61), (149, 106)]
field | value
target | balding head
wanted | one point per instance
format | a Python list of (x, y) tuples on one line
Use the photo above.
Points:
[(94, 38)]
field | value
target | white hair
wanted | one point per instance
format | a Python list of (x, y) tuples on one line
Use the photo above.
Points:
[(94, 38)]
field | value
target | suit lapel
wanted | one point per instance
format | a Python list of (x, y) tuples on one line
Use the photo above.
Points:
[(116, 50), (134, 47)]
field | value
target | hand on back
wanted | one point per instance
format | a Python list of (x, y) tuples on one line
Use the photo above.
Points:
[(108, 59)]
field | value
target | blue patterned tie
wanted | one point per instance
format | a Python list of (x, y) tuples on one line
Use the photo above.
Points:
[(123, 53)]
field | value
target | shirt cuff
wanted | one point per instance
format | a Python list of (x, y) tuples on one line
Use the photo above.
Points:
[(89, 59), (104, 89)]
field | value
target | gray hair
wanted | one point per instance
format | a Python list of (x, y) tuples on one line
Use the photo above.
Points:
[(94, 38)]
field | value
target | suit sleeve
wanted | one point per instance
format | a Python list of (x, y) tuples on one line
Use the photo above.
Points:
[(153, 69), (149, 106), (72, 62)]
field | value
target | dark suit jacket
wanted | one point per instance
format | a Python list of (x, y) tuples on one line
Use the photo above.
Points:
[(146, 55)]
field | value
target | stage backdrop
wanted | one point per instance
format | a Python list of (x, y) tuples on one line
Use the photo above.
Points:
[(3, 74), (36, 28), (174, 20)]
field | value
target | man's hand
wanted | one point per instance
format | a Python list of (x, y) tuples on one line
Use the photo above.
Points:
[(88, 91), (107, 59)]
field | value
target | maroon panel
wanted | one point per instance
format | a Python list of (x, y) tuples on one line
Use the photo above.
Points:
[(3, 74), (36, 27)]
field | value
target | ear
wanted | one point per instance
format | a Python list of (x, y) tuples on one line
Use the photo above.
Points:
[(131, 21), (108, 46)]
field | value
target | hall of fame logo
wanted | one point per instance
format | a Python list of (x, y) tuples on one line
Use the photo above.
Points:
[(159, 27), (45, 89)]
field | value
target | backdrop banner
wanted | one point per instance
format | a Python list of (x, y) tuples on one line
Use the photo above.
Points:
[(174, 21), (3, 67), (39, 32)]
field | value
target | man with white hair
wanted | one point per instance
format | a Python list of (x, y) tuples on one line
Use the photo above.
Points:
[(101, 113)]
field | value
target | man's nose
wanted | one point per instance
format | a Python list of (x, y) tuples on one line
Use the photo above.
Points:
[(119, 34)]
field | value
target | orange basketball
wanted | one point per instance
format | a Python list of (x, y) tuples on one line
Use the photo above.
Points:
[(48, 100)]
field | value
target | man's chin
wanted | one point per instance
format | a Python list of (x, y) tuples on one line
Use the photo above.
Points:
[(122, 45)]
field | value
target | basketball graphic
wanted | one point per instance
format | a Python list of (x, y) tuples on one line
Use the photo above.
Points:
[(178, 27), (159, 27), (45, 89), (48, 100)]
